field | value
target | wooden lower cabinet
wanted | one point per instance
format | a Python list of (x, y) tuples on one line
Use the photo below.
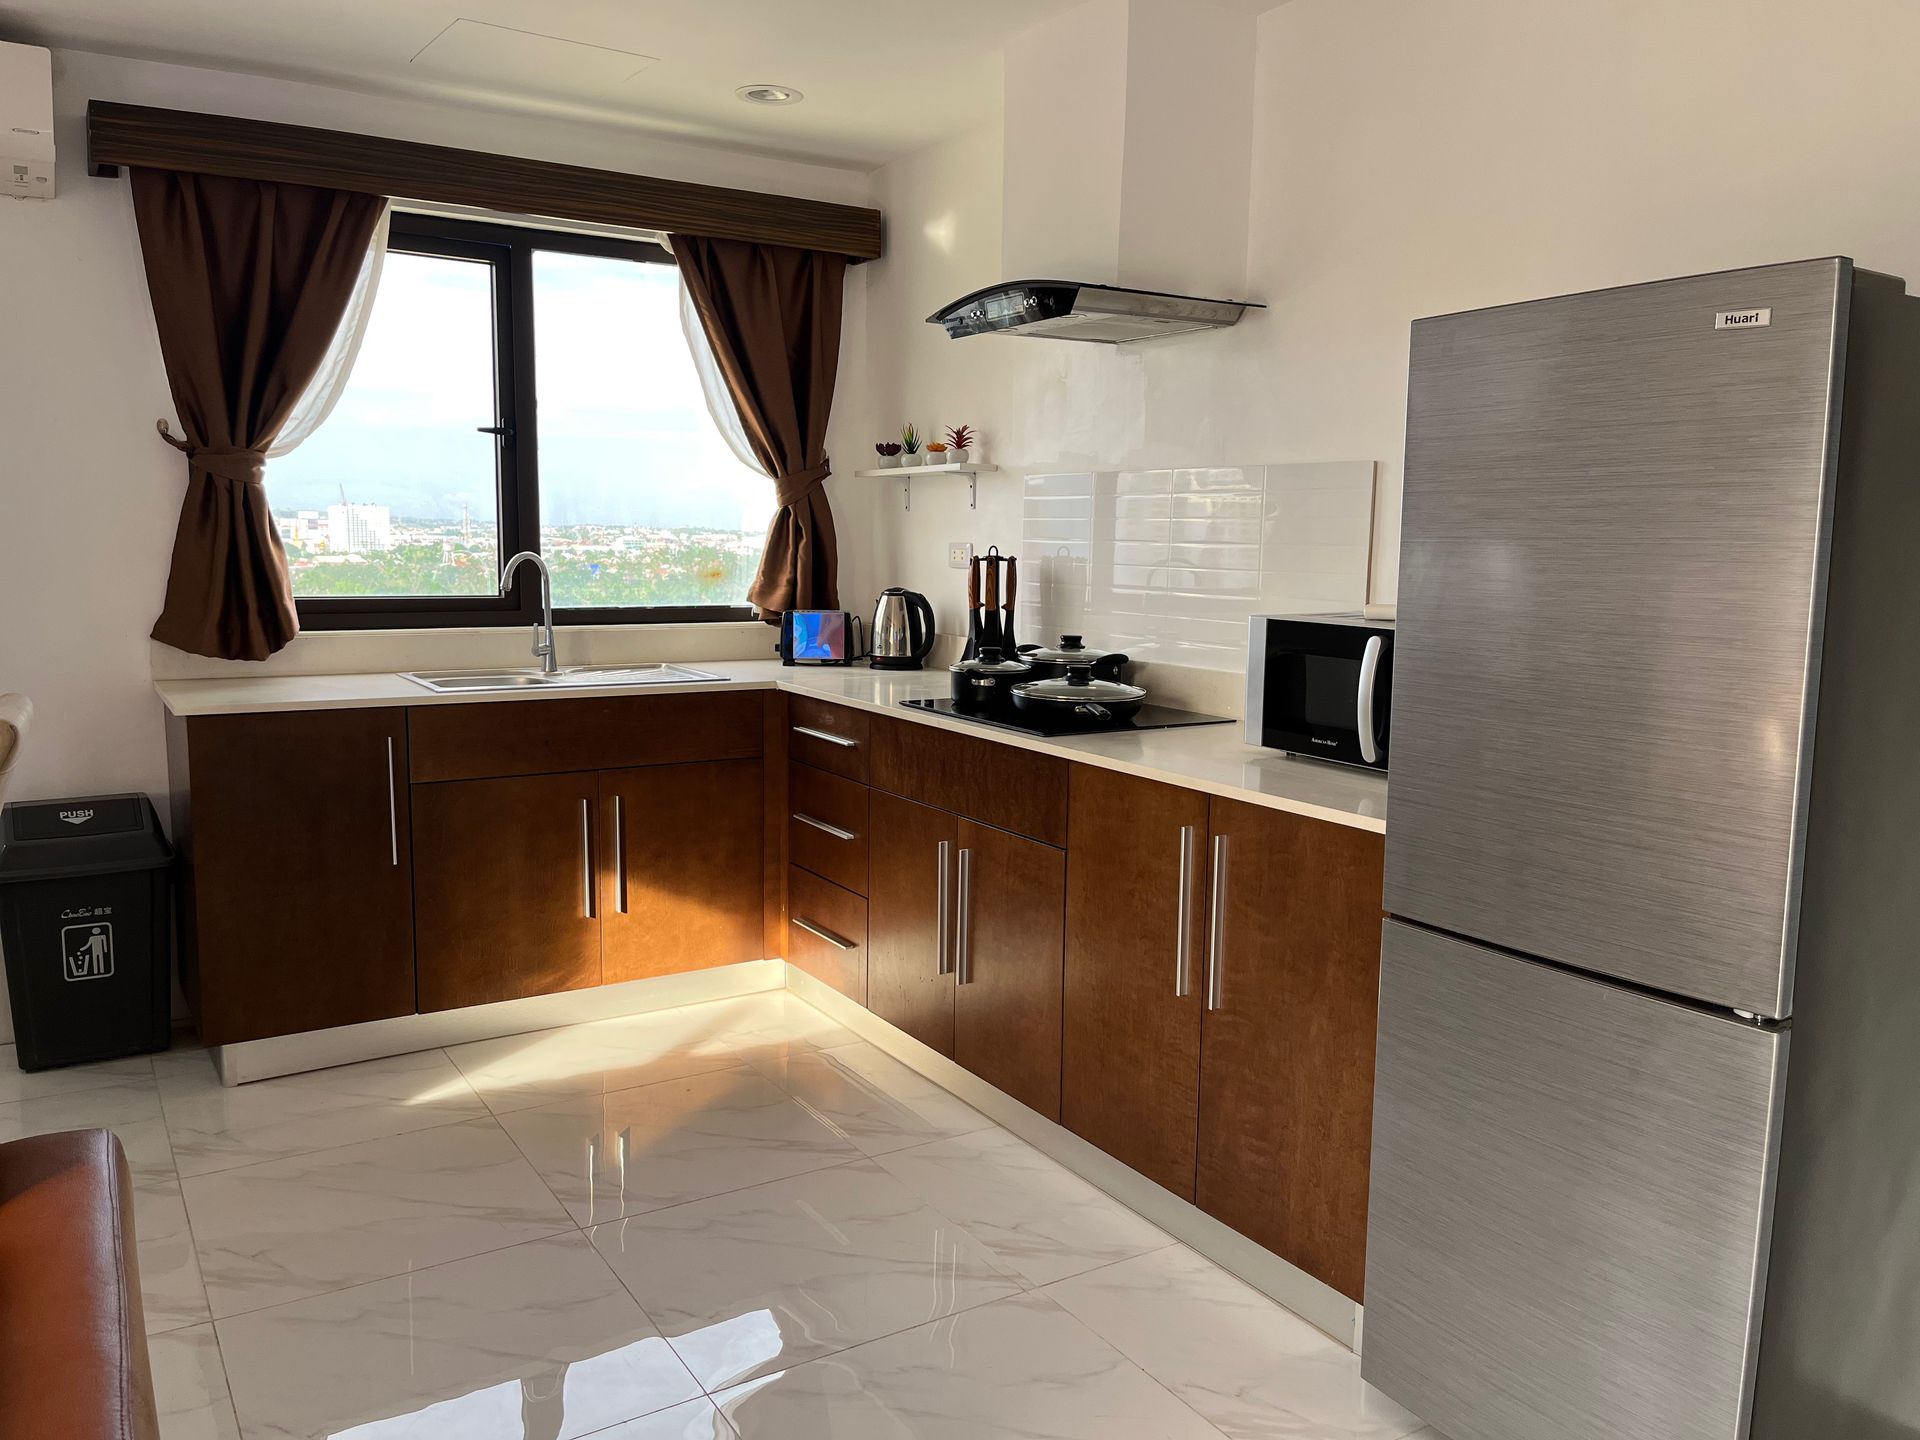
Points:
[(910, 872), (297, 910), (827, 933), (1010, 902), (1286, 1073), (680, 857), (1131, 1069), (506, 888)]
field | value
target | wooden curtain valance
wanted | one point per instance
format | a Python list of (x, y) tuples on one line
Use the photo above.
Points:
[(403, 170)]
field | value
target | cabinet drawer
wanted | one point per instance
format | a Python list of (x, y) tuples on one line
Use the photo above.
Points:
[(827, 933), (542, 737), (827, 826), (828, 737), (998, 785)]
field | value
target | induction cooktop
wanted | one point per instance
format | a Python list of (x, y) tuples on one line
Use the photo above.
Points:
[(1147, 717)]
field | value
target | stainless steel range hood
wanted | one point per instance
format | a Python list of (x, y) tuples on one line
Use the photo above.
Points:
[(1068, 310)]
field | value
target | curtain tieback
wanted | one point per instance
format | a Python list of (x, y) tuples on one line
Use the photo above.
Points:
[(246, 467), (790, 489)]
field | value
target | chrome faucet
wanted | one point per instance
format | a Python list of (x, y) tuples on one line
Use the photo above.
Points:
[(543, 632)]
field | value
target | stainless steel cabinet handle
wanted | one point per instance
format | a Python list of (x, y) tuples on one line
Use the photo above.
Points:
[(620, 854), (963, 925), (1183, 941), (824, 828), (827, 735), (942, 898), (839, 942), (1217, 928), (393, 808), (1369, 672), (586, 858)]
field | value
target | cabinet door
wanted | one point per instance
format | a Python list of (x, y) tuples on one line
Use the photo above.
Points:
[(1010, 906), (681, 881), (506, 900), (909, 918), (1286, 1075), (1131, 1064), (300, 887)]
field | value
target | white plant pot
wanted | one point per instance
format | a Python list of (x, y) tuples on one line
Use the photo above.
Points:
[(940, 459), (887, 462), (959, 457)]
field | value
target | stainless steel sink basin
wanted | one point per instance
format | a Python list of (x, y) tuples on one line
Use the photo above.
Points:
[(448, 682)]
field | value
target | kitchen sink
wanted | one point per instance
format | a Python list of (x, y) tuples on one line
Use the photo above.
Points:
[(449, 682)]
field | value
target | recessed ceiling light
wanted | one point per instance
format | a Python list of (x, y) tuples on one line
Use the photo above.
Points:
[(770, 94)]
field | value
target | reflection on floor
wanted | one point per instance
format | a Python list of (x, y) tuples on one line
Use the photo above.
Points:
[(733, 1219)]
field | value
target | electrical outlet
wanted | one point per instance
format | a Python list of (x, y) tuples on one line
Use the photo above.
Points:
[(959, 553)]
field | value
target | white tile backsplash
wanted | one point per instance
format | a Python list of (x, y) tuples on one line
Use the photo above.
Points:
[(1168, 564)]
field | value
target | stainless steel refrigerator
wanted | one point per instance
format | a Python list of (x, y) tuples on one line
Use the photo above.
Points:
[(1646, 1153)]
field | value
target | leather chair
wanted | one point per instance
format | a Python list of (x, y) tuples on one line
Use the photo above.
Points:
[(73, 1344)]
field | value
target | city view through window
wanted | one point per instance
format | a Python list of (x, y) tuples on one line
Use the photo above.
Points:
[(642, 502)]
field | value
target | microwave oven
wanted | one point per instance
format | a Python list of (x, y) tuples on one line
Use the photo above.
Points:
[(1321, 685)]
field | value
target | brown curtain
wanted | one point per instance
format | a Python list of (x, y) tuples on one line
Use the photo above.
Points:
[(249, 280), (772, 315)]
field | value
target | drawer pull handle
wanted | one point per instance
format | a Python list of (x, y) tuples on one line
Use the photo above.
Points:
[(1217, 931), (834, 830), (839, 942), (393, 809), (586, 858), (943, 901), (827, 735)]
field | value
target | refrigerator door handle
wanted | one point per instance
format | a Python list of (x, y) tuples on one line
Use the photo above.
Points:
[(1369, 672)]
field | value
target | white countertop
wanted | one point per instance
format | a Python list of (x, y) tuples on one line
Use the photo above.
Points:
[(1212, 758)]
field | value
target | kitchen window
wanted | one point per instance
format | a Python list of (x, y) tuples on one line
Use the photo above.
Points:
[(519, 389)]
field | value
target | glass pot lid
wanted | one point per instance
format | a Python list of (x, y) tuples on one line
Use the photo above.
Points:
[(1080, 688), (1072, 650), (991, 662)]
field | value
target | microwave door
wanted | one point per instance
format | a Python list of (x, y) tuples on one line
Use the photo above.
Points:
[(1319, 689)]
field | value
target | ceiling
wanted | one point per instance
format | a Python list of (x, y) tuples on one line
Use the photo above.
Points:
[(882, 78)]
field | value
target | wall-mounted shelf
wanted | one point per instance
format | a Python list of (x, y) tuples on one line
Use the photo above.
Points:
[(973, 470)]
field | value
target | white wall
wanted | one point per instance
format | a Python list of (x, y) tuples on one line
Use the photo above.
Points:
[(1411, 157), (88, 493)]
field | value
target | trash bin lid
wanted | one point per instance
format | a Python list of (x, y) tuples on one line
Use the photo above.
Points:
[(95, 835)]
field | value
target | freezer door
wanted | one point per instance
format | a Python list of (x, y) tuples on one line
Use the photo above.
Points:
[(1610, 594), (1570, 1202)]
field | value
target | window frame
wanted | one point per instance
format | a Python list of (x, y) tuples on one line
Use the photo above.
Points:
[(508, 249)]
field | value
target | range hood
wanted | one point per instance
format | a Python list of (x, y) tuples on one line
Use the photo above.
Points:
[(1068, 310)]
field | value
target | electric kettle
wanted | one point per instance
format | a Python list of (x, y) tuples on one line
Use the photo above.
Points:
[(902, 630)]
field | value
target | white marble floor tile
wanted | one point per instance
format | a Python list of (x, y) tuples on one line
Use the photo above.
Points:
[(1017, 1368), (695, 1420), (17, 1084), (767, 1278), (540, 1339), (284, 1229), (120, 1101), (190, 1386), (215, 1127), (1037, 1217), (1251, 1367), (171, 1291), (871, 1098), (516, 1072), (657, 1145)]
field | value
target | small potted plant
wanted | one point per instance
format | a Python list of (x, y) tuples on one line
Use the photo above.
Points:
[(936, 453), (889, 453), (959, 444), (910, 442)]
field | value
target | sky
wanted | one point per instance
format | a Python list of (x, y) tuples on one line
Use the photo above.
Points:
[(625, 434)]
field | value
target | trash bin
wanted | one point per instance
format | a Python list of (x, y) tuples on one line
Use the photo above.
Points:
[(85, 922)]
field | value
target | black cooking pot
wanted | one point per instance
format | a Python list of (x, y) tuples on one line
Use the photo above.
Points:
[(1077, 702), (985, 683), (1051, 662)]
